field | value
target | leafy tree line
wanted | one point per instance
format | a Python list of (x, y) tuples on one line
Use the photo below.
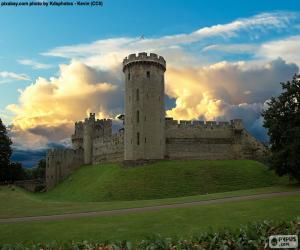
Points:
[(13, 171), (282, 119)]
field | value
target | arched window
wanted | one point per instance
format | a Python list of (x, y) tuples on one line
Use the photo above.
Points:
[(148, 74)]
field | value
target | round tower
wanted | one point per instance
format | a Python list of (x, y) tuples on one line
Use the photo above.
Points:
[(144, 106), (88, 128)]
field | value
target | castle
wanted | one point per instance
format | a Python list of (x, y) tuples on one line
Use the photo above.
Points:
[(147, 133)]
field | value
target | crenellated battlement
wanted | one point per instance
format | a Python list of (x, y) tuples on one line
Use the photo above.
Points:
[(101, 123), (91, 121), (91, 118), (144, 58), (234, 124)]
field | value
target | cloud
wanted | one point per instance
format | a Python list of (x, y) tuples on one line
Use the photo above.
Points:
[(28, 157), (288, 48), (35, 64), (6, 116), (224, 91), (232, 48), (108, 53), (199, 91), (10, 76), (251, 115), (47, 109)]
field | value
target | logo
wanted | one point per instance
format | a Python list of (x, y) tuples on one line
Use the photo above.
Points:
[(283, 241)]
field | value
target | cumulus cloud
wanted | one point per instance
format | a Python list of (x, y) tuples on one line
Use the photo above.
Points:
[(200, 91), (225, 91), (47, 109), (288, 47)]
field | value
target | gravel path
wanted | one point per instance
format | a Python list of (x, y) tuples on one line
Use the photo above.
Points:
[(145, 209)]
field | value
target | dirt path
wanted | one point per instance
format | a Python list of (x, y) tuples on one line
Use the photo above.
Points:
[(144, 209)]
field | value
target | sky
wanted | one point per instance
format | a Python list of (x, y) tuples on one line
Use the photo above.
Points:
[(224, 60)]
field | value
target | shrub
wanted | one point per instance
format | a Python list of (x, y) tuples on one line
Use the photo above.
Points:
[(251, 236)]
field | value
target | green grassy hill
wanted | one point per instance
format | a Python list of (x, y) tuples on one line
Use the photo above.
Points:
[(163, 179)]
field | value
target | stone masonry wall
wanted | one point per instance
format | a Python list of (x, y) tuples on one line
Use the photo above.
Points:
[(210, 140), (109, 150), (60, 163)]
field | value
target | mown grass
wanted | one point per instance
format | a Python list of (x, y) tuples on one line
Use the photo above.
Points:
[(165, 179), (250, 236), (18, 203), (182, 222)]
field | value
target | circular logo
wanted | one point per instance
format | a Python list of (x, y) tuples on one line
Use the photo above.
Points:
[(274, 241)]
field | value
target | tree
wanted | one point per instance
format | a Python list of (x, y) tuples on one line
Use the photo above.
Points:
[(40, 171), (282, 119), (5, 152), (16, 172)]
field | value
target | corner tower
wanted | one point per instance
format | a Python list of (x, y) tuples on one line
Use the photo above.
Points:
[(88, 128), (144, 106)]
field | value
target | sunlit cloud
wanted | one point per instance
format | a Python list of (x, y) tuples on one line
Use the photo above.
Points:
[(201, 92), (49, 106)]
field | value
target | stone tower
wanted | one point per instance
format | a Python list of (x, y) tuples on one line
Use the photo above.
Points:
[(144, 106), (88, 129)]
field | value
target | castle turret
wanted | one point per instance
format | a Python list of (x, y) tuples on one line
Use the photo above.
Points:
[(88, 129), (77, 137), (144, 106)]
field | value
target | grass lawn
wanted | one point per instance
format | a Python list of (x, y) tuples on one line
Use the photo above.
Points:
[(166, 222), (164, 179), (19, 203)]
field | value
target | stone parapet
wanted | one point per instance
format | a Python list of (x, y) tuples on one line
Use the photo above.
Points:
[(144, 58)]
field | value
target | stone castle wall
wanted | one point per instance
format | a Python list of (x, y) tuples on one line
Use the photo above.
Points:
[(210, 140), (60, 163), (199, 140), (110, 149)]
